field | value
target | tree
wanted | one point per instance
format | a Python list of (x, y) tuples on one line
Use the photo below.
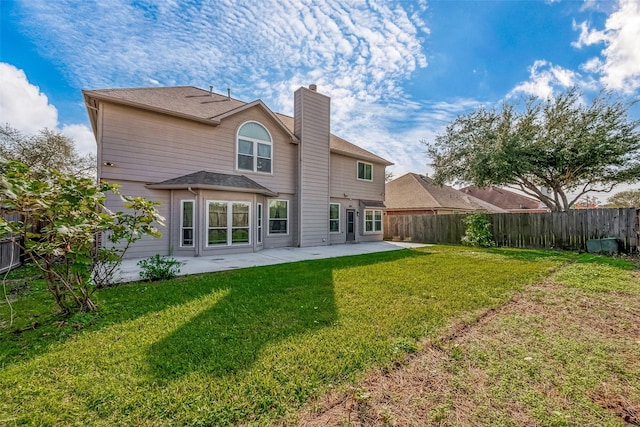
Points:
[(555, 150), (47, 150), (61, 217), (624, 199)]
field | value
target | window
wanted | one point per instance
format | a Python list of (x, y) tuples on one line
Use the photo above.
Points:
[(259, 222), (278, 216), (334, 217), (186, 226), (372, 221), (228, 223), (254, 148), (365, 171)]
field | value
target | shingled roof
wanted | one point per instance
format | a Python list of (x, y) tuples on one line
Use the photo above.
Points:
[(505, 199), (341, 146), (418, 192), (214, 181), (206, 107)]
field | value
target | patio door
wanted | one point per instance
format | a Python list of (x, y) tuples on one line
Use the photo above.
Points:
[(351, 225)]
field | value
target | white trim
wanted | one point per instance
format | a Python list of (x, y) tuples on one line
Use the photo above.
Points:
[(288, 219), (358, 171), (193, 224), (259, 223), (229, 227), (338, 219), (254, 144), (373, 221)]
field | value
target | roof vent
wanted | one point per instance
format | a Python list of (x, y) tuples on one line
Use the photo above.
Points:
[(229, 93), (313, 87), (211, 90)]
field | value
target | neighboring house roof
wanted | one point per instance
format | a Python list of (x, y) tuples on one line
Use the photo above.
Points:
[(206, 107), (213, 181), (418, 192), (505, 199)]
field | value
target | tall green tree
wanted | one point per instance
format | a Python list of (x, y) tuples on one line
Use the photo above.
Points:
[(555, 150), (624, 199), (44, 151)]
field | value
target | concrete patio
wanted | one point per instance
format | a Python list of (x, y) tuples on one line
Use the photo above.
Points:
[(130, 271)]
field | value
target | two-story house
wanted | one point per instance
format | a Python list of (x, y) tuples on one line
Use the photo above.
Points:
[(234, 176)]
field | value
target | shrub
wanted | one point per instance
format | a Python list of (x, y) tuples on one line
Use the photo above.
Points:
[(159, 267), (478, 231), (60, 217)]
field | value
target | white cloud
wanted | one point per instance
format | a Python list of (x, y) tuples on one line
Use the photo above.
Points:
[(545, 78), (359, 53), (82, 136), (619, 66), (22, 105), (26, 109)]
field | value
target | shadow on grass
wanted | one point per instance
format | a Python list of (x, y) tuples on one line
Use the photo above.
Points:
[(532, 254), (264, 305), (619, 261), (130, 301)]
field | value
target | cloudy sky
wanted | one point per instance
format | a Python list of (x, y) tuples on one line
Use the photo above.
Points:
[(397, 71)]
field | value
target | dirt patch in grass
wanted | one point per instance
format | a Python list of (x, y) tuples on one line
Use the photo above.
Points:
[(554, 355)]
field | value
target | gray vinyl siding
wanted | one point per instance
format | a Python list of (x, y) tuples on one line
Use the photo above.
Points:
[(344, 179), (312, 126), (147, 246), (150, 147)]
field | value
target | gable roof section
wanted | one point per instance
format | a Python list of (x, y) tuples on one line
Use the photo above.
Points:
[(414, 191), (186, 102), (341, 146), (213, 181), (192, 103), (504, 198)]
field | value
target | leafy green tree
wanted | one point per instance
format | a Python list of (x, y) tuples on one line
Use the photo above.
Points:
[(62, 215), (555, 150), (47, 150), (624, 199)]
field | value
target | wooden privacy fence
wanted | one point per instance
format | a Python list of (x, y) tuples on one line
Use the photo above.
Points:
[(562, 230), (9, 250)]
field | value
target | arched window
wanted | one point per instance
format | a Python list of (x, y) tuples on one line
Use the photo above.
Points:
[(254, 148)]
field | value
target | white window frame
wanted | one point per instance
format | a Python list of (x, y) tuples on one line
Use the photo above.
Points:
[(269, 233), (229, 226), (365, 171), (373, 221), (254, 143), (259, 220), (193, 223), (334, 219)]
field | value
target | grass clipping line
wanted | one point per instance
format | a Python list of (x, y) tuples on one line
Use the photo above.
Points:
[(553, 355)]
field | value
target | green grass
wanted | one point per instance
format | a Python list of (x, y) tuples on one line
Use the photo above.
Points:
[(563, 356), (248, 346)]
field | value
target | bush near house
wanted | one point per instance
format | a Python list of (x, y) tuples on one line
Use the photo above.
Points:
[(60, 217)]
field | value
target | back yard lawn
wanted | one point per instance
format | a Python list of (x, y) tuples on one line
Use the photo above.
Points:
[(255, 346)]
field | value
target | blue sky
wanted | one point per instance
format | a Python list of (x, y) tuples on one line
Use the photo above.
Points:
[(397, 71)]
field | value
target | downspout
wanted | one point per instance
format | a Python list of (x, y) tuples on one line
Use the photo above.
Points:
[(196, 229), (171, 237)]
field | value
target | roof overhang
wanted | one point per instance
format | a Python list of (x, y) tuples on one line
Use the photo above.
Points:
[(361, 156), (161, 186), (379, 204), (93, 98)]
